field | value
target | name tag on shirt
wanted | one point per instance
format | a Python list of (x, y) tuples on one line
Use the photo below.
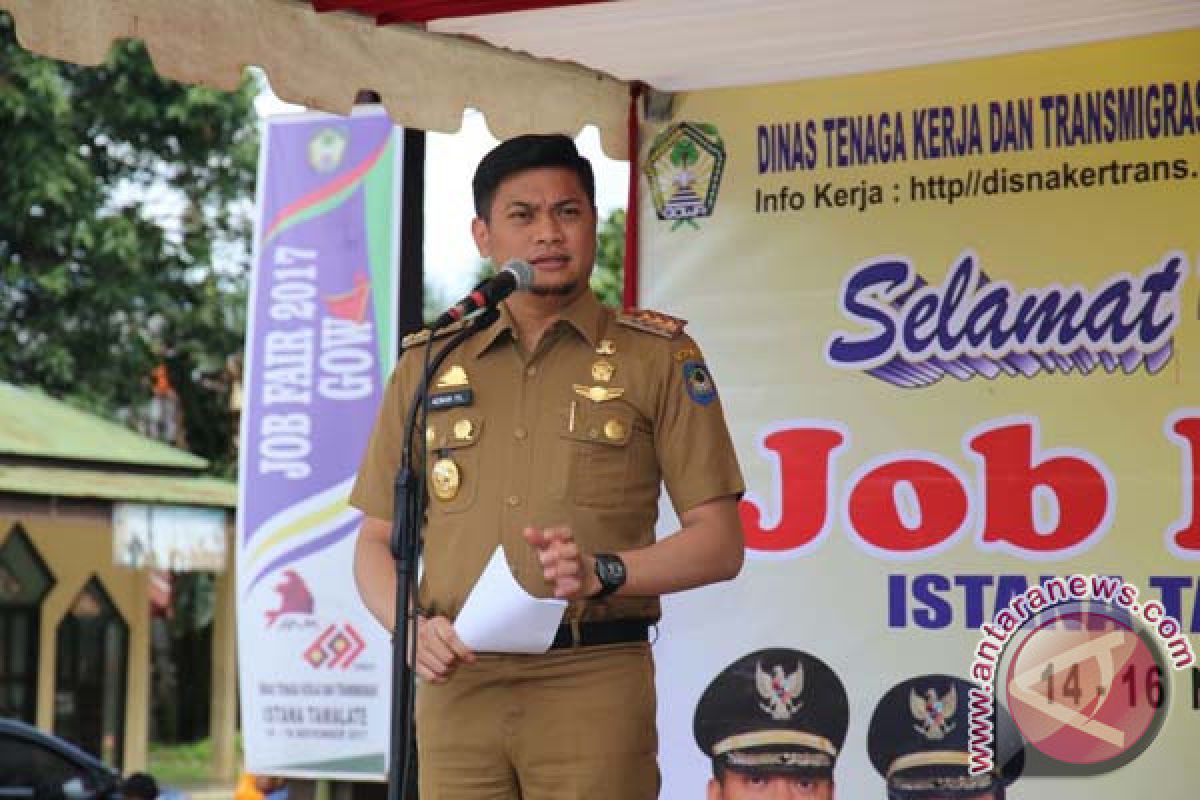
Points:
[(454, 399)]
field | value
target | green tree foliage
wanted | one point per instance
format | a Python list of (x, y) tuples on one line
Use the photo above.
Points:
[(124, 233), (608, 278)]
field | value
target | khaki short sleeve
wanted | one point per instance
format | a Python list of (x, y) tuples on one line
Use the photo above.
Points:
[(694, 448), (373, 491)]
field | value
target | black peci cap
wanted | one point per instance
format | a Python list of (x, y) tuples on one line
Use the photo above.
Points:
[(774, 711), (919, 741)]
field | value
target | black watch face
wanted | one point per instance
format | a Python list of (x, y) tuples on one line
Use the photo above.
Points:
[(612, 571)]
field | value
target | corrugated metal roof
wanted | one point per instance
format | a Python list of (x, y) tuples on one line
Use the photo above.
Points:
[(65, 482), (34, 424)]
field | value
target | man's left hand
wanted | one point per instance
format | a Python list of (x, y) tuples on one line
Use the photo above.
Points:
[(571, 572)]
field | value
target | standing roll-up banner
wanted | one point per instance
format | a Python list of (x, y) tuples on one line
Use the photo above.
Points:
[(315, 667), (953, 316)]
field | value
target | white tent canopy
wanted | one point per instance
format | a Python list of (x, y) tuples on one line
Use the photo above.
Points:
[(575, 61), (679, 45), (425, 80)]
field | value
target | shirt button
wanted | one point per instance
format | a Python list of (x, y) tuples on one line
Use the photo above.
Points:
[(520, 433), (530, 371), (513, 500)]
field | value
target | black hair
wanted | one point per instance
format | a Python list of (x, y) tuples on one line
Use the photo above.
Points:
[(140, 785), (530, 151)]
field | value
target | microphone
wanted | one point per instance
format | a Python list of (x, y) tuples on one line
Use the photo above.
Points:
[(514, 276)]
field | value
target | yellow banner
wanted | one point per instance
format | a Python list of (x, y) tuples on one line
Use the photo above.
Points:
[(952, 314)]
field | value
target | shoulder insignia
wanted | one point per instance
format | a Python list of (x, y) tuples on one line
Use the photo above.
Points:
[(655, 322), (415, 338), (422, 336)]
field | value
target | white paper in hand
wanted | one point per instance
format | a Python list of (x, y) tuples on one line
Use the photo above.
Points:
[(501, 617)]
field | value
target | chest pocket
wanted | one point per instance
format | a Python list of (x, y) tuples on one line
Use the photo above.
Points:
[(453, 460), (600, 451)]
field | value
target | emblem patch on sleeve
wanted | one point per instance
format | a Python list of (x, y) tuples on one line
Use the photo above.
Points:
[(699, 383)]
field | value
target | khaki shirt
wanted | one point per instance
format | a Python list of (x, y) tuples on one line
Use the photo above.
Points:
[(532, 450)]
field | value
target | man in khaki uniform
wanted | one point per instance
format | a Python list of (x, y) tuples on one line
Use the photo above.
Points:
[(549, 435)]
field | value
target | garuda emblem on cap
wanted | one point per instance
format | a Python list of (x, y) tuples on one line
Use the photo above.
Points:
[(934, 715), (779, 690)]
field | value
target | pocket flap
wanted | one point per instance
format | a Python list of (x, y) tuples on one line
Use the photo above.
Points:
[(454, 430), (602, 424)]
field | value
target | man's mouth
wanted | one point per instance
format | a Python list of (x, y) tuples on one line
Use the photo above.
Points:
[(550, 263)]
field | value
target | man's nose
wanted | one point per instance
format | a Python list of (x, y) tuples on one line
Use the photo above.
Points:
[(549, 229)]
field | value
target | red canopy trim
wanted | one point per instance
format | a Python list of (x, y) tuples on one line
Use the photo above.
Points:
[(387, 12), (629, 296)]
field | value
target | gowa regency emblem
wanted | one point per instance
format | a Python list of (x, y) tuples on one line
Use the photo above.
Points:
[(327, 148), (684, 171)]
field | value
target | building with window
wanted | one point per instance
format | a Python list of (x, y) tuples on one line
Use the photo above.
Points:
[(89, 510)]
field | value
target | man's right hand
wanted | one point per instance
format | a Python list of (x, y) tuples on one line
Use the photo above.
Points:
[(439, 650)]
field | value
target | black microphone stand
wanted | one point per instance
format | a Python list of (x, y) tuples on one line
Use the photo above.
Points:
[(408, 514)]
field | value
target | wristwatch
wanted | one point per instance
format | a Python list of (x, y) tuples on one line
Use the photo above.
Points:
[(610, 569)]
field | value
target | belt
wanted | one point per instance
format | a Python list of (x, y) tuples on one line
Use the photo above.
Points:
[(616, 631)]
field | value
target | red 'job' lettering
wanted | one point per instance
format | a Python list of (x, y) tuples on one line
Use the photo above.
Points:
[(1012, 473), (1187, 535), (804, 456), (907, 504), (939, 506)]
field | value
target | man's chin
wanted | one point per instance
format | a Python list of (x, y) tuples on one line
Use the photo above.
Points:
[(561, 290)]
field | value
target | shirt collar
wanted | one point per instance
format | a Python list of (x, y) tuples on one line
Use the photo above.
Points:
[(585, 314), (481, 341)]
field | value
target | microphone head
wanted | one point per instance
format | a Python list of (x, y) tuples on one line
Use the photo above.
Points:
[(522, 271)]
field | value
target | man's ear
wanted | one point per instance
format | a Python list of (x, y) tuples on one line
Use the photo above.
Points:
[(482, 236), (714, 790)]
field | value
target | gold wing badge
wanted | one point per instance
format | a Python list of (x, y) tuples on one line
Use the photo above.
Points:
[(598, 394)]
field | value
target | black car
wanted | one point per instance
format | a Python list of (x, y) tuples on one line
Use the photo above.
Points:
[(35, 764)]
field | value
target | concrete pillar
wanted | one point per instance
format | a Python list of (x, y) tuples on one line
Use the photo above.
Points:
[(137, 701)]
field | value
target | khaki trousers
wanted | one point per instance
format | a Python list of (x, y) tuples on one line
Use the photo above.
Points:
[(574, 724)]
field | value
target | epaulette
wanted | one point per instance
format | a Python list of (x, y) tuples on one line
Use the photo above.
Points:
[(655, 322), (422, 336)]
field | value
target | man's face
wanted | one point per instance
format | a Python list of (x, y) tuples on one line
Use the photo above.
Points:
[(748, 786), (542, 216)]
